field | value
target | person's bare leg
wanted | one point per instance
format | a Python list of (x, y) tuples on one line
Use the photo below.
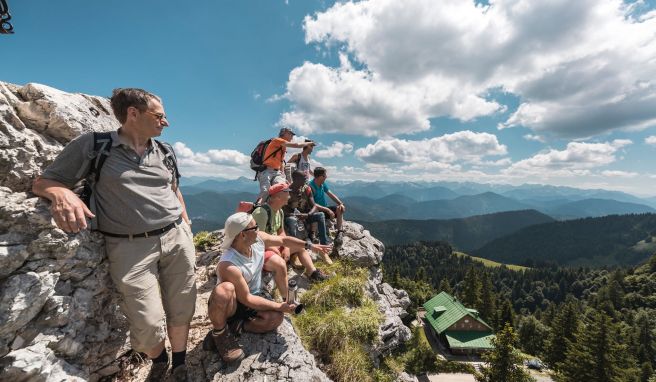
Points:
[(178, 337), (155, 351), (278, 266), (223, 304), (264, 322), (306, 260)]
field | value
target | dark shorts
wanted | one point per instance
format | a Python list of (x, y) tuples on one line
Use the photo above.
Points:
[(245, 313), (333, 208)]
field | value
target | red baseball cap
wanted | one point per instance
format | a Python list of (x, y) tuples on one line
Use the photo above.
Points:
[(280, 187)]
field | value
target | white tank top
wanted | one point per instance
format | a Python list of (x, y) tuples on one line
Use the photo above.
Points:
[(250, 267), (304, 166)]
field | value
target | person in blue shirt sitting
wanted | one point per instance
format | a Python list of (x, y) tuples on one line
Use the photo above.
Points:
[(319, 190)]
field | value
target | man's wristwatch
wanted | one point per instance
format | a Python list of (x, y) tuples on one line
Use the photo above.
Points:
[(308, 245)]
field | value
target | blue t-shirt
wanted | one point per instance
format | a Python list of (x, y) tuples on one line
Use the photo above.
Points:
[(320, 193)]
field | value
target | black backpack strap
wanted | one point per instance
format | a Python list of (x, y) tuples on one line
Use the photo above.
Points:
[(267, 208), (276, 151), (170, 161), (102, 143)]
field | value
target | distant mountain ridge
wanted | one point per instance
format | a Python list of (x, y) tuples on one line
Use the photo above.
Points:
[(603, 241), (465, 234), (378, 201)]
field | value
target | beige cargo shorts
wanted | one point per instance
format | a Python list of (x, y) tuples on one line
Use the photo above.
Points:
[(156, 279)]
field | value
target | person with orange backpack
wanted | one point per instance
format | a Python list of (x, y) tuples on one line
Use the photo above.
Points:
[(268, 160)]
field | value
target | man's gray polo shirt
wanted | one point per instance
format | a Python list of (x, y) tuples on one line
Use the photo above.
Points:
[(133, 194)]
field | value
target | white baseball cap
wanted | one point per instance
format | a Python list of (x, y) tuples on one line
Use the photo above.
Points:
[(233, 226)]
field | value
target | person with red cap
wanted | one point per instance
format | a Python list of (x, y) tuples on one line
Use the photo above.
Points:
[(270, 219)]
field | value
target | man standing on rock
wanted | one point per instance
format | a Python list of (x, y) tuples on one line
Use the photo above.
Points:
[(140, 210), (237, 303), (274, 157)]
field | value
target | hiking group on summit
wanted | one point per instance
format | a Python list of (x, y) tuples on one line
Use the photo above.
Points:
[(127, 183)]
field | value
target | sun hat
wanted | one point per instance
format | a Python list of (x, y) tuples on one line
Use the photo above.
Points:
[(233, 226)]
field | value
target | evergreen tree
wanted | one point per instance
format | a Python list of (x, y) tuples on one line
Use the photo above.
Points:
[(503, 363), (645, 338), (646, 372), (472, 289), (531, 333), (421, 274), (597, 355), (563, 330), (445, 286), (652, 264), (505, 315), (488, 305)]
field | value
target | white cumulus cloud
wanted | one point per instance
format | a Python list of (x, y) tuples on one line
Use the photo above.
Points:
[(619, 174), (579, 68), (464, 146), (225, 163), (577, 159), (651, 140), (337, 149)]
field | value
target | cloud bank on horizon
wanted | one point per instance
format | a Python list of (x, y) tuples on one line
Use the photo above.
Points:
[(581, 72)]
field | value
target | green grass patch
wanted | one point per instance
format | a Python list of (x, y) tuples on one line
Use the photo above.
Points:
[(340, 322), (339, 291), (491, 263), (328, 330), (204, 240)]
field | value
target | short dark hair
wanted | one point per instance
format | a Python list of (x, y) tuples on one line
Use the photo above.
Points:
[(298, 175), (319, 171), (123, 98)]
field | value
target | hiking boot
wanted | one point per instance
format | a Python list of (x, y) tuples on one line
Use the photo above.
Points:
[(158, 372), (226, 345), (236, 327), (339, 238), (179, 374), (317, 275)]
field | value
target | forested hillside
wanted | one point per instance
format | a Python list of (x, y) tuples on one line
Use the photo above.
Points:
[(465, 234), (583, 322), (608, 240)]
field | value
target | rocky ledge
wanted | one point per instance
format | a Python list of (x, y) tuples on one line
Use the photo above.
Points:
[(59, 317)]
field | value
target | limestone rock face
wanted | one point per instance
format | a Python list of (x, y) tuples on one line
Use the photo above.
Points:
[(59, 318), (277, 356), (360, 247)]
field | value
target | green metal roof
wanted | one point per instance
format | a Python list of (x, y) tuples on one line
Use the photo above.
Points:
[(444, 310), (469, 340)]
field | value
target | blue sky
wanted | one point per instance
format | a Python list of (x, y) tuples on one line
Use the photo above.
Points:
[(514, 91)]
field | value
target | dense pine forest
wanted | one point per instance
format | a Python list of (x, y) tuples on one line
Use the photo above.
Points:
[(587, 324)]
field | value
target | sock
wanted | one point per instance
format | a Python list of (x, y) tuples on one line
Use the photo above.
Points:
[(179, 358), (218, 332), (163, 357)]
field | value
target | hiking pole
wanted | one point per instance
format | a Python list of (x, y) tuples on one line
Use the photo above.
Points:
[(5, 16)]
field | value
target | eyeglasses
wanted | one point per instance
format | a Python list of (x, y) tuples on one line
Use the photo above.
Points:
[(159, 116), (253, 228)]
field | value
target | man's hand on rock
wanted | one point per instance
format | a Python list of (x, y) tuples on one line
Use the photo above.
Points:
[(69, 211), (286, 307)]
